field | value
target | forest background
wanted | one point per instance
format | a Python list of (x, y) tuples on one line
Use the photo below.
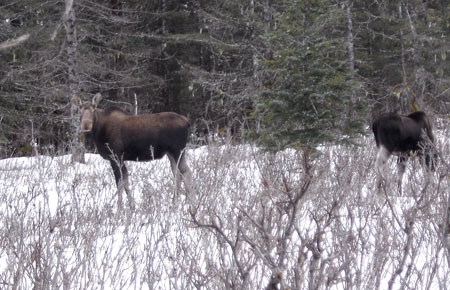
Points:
[(284, 73), (279, 70)]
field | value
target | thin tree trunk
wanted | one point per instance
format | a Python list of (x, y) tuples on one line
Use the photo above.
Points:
[(164, 10), (420, 74), (350, 45), (351, 53), (71, 38), (400, 13), (267, 15), (403, 96)]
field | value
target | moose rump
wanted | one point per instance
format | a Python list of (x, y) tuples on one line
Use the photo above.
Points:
[(119, 136), (402, 136)]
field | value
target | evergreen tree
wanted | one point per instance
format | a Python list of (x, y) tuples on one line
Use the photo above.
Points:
[(308, 97), (309, 63), (401, 47)]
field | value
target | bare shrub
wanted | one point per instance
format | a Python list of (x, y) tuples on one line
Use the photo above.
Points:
[(291, 220)]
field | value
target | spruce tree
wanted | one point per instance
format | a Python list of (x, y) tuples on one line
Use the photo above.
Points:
[(307, 97)]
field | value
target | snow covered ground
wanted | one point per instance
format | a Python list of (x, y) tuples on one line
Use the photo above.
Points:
[(297, 220)]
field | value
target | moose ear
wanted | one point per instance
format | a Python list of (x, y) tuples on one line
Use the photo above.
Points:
[(96, 100), (76, 100)]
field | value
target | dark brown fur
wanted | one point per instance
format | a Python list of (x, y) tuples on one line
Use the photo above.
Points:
[(120, 136), (403, 135), (139, 137)]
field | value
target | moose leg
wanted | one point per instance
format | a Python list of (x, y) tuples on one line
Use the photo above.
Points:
[(180, 169), (121, 176), (185, 172), (382, 157), (126, 185), (431, 159), (175, 171), (401, 165)]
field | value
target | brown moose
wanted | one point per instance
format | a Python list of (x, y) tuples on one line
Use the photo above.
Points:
[(403, 136), (121, 137)]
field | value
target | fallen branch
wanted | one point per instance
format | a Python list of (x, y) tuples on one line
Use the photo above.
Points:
[(14, 42)]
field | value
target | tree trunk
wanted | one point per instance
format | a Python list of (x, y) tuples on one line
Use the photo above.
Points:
[(351, 54), (163, 23), (76, 147), (420, 74), (267, 16)]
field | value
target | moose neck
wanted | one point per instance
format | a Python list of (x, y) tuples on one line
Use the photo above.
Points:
[(98, 119)]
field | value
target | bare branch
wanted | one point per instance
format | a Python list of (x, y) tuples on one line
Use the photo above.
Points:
[(14, 42)]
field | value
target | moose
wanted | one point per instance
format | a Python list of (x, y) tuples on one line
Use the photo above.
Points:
[(119, 136), (403, 136)]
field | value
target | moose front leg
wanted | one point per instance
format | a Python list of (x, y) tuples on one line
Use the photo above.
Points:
[(401, 166), (122, 182)]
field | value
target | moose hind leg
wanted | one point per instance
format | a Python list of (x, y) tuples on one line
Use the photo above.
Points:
[(181, 170), (431, 160), (185, 172), (175, 171), (382, 157)]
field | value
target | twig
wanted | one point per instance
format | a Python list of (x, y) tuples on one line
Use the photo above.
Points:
[(14, 42)]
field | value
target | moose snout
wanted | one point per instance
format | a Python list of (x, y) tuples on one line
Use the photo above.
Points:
[(88, 140), (86, 126)]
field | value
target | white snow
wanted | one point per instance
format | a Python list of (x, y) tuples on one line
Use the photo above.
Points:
[(61, 220)]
